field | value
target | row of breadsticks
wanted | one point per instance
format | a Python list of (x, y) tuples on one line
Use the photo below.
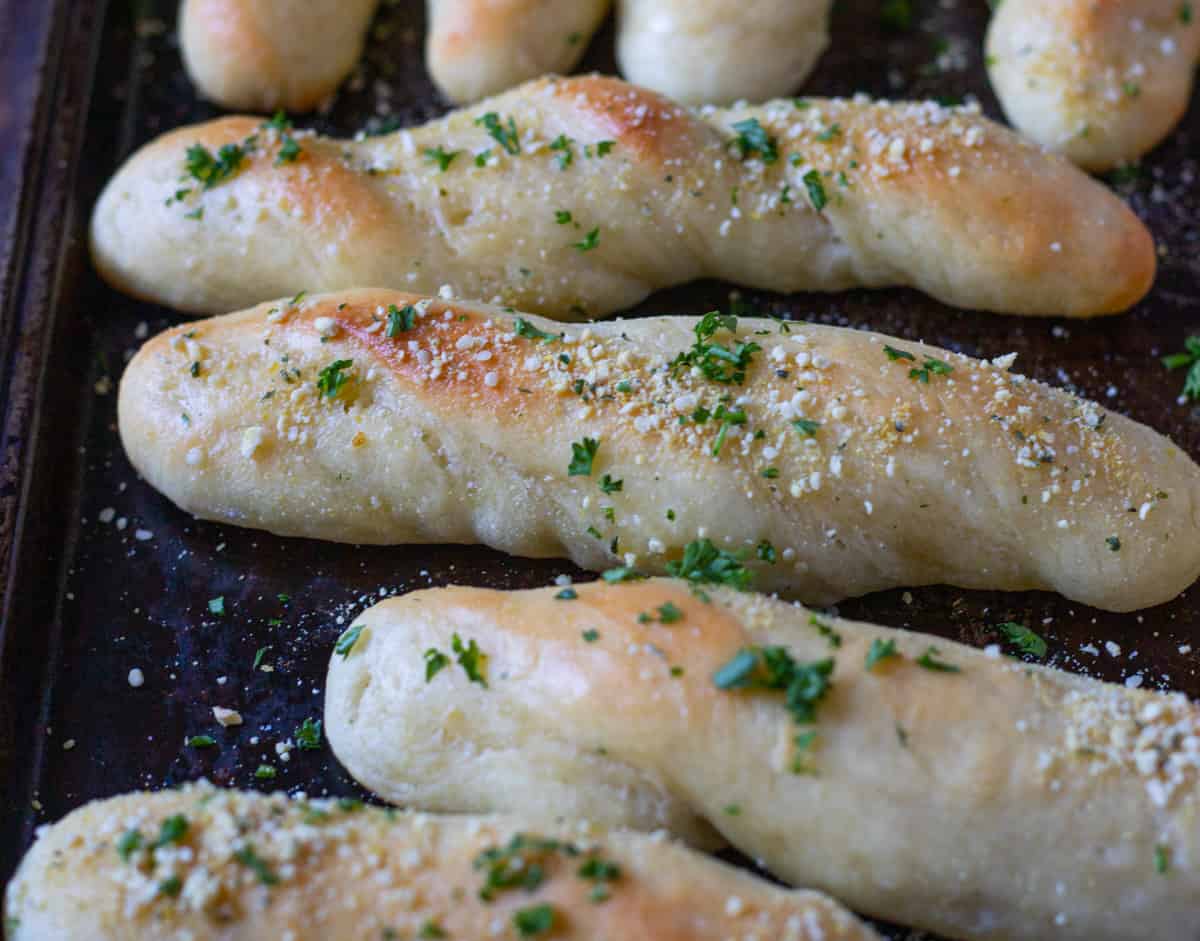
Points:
[(913, 778), (1100, 82)]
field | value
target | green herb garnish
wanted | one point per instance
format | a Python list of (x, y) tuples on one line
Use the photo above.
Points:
[(1023, 639), (347, 640), (331, 379), (583, 455)]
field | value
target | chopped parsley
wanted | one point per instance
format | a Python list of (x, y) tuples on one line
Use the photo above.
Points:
[(816, 190), (252, 861), (347, 640), (604, 147), (265, 772), (1023, 639), (666, 613), (200, 741), (589, 241), (400, 319), (1190, 357), (1162, 859), (834, 638), (765, 552), (704, 563), (172, 830), (209, 169), (331, 379), (717, 362), (894, 354), (591, 635), (752, 139), (600, 872), (443, 158), (308, 735), (430, 929), (505, 136), (930, 366), (533, 921), (804, 685), (435, 661), (523, 328), (880, 651), (217, 606), (1113, 543), (583, 455), (567, 594), (562, 145), (929, 660), (470, 658), (622, 573), (1185, 12), (518, 865), (129, 843), (289, 150), (806, 426), (562, 216), (834, 130), (170, 886), (609, 485)]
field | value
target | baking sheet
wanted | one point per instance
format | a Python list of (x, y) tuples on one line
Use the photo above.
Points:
[(105, 576)]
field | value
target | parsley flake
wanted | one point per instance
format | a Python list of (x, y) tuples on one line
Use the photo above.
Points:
[(752, 138), (505, 136), (470, 658), (583, 455), (331, 379), (880, 651), (443, 158), (704, 563), (929, 660), (1023, 639), (1190, 358), (400, 320), (347, 640), (589, 241), (523, 328), (533, 921), (308, 735), (435, 661), (567, 594), (816, 190), (717, 362)]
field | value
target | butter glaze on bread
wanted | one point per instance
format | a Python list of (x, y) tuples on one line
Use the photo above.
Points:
[(1004, 801), (860, 475), (343, 872), (1101, 81), (911, 194)]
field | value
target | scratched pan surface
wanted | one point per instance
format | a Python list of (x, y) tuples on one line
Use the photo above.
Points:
[(115, 578)]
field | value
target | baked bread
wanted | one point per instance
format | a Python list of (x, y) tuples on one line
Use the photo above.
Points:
[(1102, 82), (260, 55), (971, 795), (716, 51), (264, 54), (850, 461), (578, 197), (477, 48), (209, 864)]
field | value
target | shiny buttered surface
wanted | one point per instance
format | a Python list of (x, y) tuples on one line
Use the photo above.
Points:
[(916, 779), (207, 864), (841, 460), (634, 193)]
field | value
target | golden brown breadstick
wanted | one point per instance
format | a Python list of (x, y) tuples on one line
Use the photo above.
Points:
[(1102, 81), (579, 197), (208, 864), (844, 460), (918, 780)]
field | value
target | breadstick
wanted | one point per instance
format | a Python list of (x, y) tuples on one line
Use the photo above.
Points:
[(842, 461), (1102, 82), (260, 55), (477, 48), (208, 864), (579, 197), (718, 52), (974, 796)]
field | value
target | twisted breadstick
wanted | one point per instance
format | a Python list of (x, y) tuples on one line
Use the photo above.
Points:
[(207, 864), (1102, 81), (581, 196), (264, 54), (848, 462), (970, 795)]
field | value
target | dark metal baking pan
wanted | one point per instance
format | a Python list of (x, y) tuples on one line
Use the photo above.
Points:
[(101, 575)]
